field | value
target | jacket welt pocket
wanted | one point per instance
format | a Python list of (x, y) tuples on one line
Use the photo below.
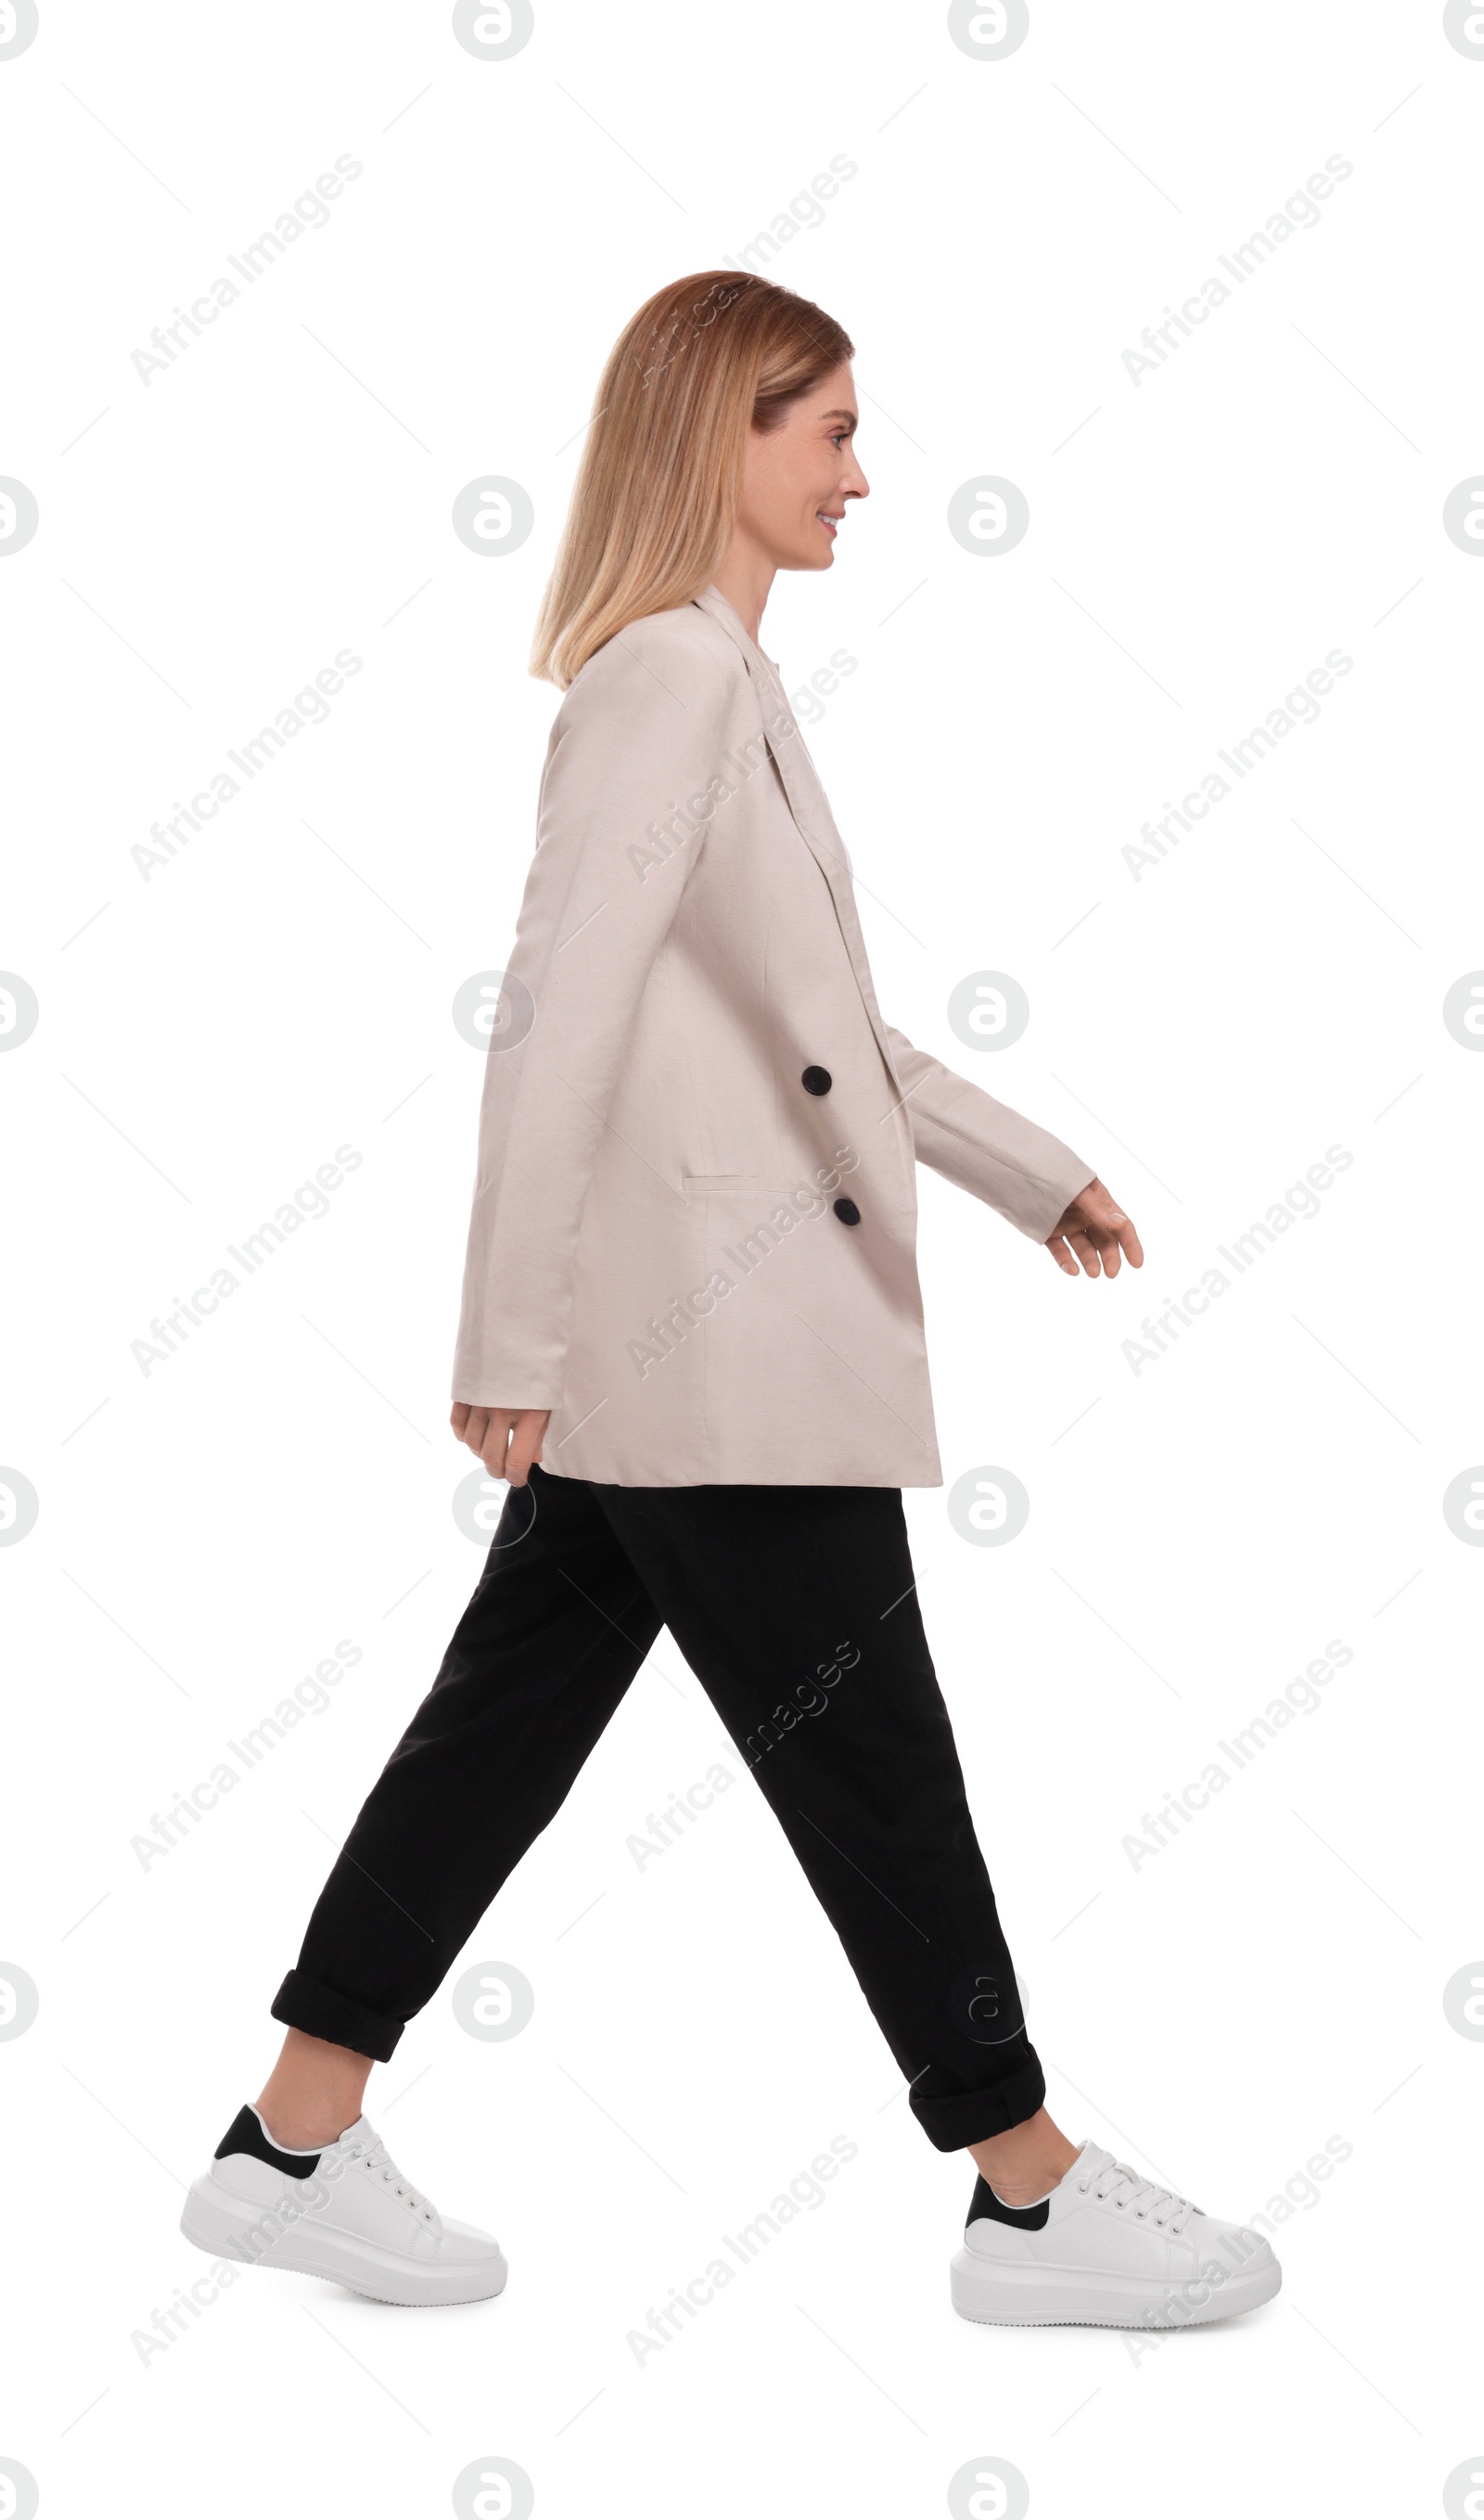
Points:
[(695, 1185)]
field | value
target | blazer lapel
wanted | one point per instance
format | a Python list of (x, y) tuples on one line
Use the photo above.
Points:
[(807, 801)]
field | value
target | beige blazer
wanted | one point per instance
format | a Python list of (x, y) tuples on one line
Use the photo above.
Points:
[(695, 1213)]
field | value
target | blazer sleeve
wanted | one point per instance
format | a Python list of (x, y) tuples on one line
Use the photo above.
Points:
[(1015, 1167), (641, 726)]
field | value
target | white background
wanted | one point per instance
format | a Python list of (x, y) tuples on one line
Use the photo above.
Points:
[(1199, 1530)]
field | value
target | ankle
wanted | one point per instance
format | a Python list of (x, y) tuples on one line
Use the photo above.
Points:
[(1027, 2161), (313, 2093), (307, 2126), (1026, 2188)]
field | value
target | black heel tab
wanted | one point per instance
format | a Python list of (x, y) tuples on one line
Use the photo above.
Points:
[(987, 2208), (246, 2134)]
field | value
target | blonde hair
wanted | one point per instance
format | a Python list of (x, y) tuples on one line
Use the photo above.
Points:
[(655, 503)]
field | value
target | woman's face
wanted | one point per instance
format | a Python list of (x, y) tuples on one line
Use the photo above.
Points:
[(797, 478)]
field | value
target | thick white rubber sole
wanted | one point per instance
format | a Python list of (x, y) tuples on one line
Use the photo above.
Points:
[(229, 2227), (1019, 2296)]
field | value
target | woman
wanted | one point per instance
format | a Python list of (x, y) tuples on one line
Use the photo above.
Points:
[(691, 1342)]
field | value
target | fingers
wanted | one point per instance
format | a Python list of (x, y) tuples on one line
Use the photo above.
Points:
[(512, 1442), (1117, 1235), (1099, 1232), (1074, 1242), (530, 1435), (1130, 1242), (1105, 1240), (1095, 1243), (506, 1440), (469, 1425)]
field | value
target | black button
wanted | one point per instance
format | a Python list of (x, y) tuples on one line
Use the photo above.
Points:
[(847, 1211), (816, 1080)]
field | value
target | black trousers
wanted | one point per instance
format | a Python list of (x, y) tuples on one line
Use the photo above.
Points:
[(795, 1608)]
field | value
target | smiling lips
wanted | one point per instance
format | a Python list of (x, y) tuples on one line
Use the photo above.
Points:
[(828, 522)]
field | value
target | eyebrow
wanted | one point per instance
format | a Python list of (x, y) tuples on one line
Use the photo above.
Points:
[(852, 416)]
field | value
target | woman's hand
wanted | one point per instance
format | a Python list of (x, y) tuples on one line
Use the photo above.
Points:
[(1095, 1231), (507, 1440)]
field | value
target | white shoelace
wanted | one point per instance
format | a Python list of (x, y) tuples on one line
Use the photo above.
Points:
[(1144, 2196), (371, 2152)]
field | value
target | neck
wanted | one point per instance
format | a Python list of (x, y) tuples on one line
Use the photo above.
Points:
[(745, 577)]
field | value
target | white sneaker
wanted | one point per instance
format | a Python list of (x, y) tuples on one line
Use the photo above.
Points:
[(1106, 2248), (343, 2210)]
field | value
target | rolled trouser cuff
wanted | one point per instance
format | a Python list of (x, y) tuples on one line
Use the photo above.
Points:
[(969, 2117), (305, 2005)]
